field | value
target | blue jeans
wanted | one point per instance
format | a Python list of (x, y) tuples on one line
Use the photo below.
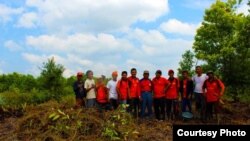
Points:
[(147, 102), (91, 103)]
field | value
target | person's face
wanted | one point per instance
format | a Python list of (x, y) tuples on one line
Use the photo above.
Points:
[(79, 77), (158, 75), (171, 74), (146, 75), (133, 73), (210, 76), (198, 70), (124, 76), (185, 75), (114, 77), (90, 75)]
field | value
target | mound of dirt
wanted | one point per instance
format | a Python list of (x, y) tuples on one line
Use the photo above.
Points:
[(52, 121)]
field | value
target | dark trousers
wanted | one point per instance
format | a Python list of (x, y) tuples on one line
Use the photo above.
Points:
[(211, 108), (186, 103), (114, 103), (159, 107), (200, 103), (134, 106), (103, 106), (172, 108)]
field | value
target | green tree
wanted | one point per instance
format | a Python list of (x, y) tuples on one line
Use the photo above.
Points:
[(187, 63), (222, 42), (52, 78)]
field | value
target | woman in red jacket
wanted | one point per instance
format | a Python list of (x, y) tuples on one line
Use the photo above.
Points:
[(102, 95)]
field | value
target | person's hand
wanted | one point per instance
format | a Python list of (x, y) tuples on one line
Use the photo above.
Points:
[(140, 99)]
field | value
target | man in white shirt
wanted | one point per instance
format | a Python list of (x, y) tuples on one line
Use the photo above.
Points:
[(200, 99), (89, 85), (111, 85)]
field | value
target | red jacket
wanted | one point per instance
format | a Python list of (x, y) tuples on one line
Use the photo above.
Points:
[(122, 86), (101, 95), (213, 89), (159, 86), (173, 90), (134, 87)]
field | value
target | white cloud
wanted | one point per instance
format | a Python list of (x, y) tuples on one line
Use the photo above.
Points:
[(71, 63), (177, 27), (85, 44), (28, 20), (96, 15), (6, 13), (243, 8), (12, 45)]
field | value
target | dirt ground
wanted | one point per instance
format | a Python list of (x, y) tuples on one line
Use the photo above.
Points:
[(37, 123)]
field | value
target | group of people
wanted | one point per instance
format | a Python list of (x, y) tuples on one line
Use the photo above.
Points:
[(145, 97)]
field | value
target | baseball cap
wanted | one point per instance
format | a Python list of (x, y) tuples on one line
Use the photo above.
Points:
[(170, 71), (146, 72)]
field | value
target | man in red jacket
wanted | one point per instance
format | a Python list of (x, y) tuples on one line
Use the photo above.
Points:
[(213, 89), (160, 84), (172, 95), (134, 92)]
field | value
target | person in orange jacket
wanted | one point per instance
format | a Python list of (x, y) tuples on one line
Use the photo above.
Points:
[(134, 93), (213, 89), (160, 84), (102, 95), (122, 88), (172, 95)]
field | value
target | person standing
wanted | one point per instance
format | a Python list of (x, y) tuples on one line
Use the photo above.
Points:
[(134, 93), (172, 94), (186, 91), (160, 84), (123, 88), (90, 89), (79, 90), (200, 101), (102, 95), (146, 95), (111, 85), (213, 90)]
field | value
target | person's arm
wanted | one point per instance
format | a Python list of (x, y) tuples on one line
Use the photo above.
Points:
[(167, 85), (222, 86), (118, 90), (190, 88), (88, 88), (108, 89), (204, 89)]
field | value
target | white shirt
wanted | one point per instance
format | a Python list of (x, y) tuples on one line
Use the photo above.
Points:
[(88, 84), (112, 89), (198, 82)]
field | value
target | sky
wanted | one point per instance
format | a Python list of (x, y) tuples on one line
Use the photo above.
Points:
[(98, 35)]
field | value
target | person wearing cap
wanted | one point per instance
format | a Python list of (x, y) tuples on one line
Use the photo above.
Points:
[(90, 89), (123, 88), (200, 101), (146, 95), (186, 91), (213, 89), (172, 95), (79, 90), (160, 84), (134, 93), (113, 95)]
